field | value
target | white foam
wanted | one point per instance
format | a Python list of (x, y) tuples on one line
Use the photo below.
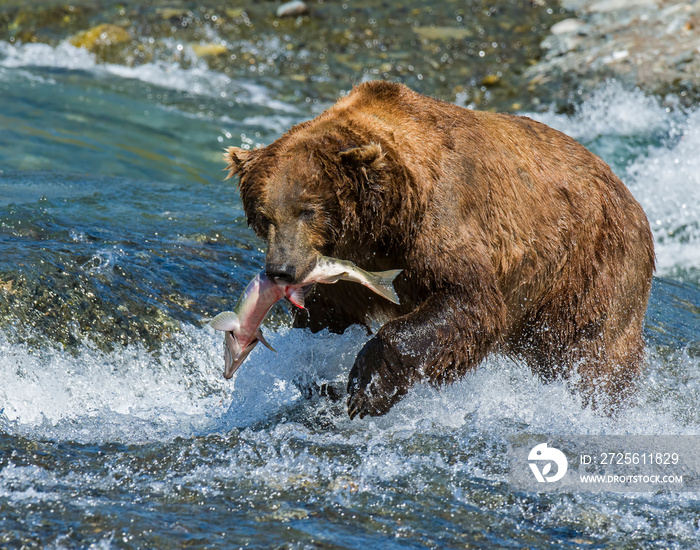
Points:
[(126, 395), (610, 111), (264, 435), (272, 382), (503, 395), (133, 395), (18, 484), (413, 442), (667, 184), (63, 56), (193, 76)]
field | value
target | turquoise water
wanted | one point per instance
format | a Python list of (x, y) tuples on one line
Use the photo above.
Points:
[(117, 430)]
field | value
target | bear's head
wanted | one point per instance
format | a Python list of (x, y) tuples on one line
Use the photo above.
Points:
[(301, 198)]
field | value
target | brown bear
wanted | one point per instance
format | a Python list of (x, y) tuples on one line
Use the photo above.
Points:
[(512, 236)]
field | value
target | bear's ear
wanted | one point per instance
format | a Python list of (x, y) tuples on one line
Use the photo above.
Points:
[(235, 158), (370, 155)]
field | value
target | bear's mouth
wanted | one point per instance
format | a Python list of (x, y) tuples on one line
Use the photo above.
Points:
[(301, 278)]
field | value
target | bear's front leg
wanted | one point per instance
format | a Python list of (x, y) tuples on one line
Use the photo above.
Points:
[(440, 341)]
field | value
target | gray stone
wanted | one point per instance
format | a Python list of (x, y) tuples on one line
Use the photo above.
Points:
[(557, 45), (293, 8), (569, 26), (683, 58), (616, 5)]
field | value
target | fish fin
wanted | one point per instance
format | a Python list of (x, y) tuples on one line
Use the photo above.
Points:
[(226, 320), (335, 278), (297, 297), (382, 282), (264, 342)]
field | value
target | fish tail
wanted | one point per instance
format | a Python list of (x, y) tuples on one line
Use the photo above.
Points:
[(382, 282)]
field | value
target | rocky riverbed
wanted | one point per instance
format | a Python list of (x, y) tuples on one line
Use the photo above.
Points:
[(650, 44), (496, 55), (471, 53), (499, 55)]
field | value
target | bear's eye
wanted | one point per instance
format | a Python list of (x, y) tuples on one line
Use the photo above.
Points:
[(264, 222), (307, 214)]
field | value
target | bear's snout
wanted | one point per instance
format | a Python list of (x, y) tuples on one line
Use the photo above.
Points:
[(289, 254), (281, 272)]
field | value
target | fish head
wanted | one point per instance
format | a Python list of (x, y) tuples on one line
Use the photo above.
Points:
[(235, 353)]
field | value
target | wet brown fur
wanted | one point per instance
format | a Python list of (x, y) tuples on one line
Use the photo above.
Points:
[(512, 237)]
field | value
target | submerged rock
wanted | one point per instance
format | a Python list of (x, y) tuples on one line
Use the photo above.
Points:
[(443, 33), (491, 80), (209, 50), (101, 36)]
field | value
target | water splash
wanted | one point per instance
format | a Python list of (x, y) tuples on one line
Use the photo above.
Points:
[(612, 111), (129, 394), (188, 74), (132, 395), (667, 183)]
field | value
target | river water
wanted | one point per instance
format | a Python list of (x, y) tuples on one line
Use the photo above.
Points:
[(118, 236)]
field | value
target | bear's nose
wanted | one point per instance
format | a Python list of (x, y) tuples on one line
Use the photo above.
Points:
[(280, 272)]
